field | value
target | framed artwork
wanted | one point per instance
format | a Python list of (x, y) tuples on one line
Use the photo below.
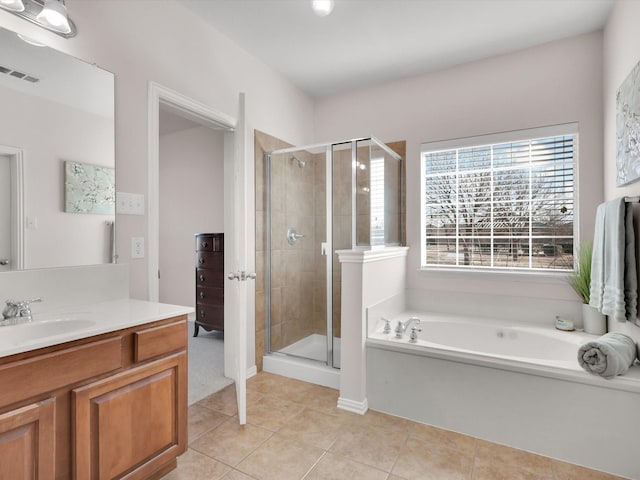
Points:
[(89, 189), (628, 129)]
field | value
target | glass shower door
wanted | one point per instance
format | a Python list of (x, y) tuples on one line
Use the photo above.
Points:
[(342, 175), (297, 281)]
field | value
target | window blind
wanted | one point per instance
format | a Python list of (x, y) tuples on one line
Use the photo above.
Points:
[(500, 205)]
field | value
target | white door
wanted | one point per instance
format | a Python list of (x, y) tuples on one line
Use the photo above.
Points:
[(5, 213), (237, 256)]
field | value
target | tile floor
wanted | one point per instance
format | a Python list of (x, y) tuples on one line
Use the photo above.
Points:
[(294, 431)]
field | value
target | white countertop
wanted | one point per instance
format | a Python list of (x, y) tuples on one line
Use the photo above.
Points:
[(65, 325)]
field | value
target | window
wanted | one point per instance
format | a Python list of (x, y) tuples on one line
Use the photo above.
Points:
[(376, 196), (503, 201)]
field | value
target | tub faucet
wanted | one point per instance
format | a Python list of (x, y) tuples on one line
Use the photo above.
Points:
[(387, 325), (401, 328), (18, 311), (413, 338)]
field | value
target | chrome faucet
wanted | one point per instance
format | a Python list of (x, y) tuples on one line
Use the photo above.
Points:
[(401, 328), (18, 311), (413, 338)]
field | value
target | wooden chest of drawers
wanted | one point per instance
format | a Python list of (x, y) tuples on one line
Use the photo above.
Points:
[(209, 282)]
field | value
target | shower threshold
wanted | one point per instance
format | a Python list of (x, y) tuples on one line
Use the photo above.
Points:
[(306, 360)]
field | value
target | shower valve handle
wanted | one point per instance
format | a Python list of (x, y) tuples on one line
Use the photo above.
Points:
[(293, 236)]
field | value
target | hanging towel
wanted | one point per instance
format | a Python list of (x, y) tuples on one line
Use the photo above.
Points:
[(608, 356), (614, 281)]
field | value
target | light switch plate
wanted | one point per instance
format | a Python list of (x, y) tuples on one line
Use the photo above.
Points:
[(137, 247), (137, 204), (32, 223), (129, 203)]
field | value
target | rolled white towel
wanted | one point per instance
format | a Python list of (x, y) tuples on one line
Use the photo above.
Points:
[(608, 356)]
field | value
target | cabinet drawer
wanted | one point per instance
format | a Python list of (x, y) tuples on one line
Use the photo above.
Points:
[(50, 371), (210, 315), (210, 296), (210, 243), (209, 278), (204, 243), (152, 342), (213, 260)]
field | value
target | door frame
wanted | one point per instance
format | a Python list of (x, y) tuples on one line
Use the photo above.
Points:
[(237, 352), (16, 167)]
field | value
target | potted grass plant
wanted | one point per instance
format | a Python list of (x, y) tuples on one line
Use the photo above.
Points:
[(593, 321)]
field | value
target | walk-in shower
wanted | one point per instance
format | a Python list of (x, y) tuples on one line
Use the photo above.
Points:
[(319, 199)]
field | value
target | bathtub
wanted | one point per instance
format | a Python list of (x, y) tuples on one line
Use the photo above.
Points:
[(513, 383)]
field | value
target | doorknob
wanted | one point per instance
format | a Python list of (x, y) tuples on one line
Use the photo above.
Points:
[(241, 276)]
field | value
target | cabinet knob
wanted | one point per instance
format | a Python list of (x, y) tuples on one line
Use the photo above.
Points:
[(201, 278), (204, 244), (202, 313), (201, 260), (201, 295)]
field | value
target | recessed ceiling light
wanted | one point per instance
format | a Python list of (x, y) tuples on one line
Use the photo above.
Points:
[(322, 8)]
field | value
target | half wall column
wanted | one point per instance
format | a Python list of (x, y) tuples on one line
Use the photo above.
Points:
[(368, 277)]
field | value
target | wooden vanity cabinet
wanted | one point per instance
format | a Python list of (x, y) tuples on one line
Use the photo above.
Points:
[(105, 407), (27, 442)]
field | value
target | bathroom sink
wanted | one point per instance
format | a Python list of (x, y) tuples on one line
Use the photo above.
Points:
[(34, 331)]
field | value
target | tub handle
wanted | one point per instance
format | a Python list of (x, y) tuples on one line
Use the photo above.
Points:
[(387, 325), (413, 338)]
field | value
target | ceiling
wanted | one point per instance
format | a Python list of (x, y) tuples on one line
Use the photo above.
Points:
[(366, 42)]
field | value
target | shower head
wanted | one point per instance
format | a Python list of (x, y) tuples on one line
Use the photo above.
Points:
[(301, 163)]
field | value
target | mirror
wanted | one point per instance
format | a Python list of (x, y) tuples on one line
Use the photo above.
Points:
[(57, 158)]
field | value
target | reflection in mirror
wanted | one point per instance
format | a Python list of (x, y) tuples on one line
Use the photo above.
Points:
[(55, 109)]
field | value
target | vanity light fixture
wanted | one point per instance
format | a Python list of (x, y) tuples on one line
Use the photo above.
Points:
[(322, 8), (30, 40), (54, 16), (48, 14), (12, 5)]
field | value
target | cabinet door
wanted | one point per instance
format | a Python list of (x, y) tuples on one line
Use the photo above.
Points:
[(27, 442), (132, 424)]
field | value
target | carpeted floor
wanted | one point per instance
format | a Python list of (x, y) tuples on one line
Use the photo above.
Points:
[(206, 364)]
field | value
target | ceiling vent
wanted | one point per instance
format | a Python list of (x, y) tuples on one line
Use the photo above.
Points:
[(17, 74)]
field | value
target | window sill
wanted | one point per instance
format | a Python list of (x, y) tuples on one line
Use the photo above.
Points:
[(496, 275)]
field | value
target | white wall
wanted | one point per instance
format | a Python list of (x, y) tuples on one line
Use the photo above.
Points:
[(621, 54), (59, 238), (191, 201), (162, 41), (555, 83)]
